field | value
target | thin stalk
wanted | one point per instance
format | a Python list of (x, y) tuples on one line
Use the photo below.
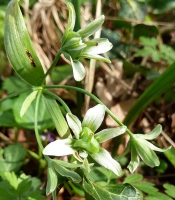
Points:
[(15, 94), (60, 100), (77, 5), (54, 195), (94, 98), (53, 64), (38, 138)]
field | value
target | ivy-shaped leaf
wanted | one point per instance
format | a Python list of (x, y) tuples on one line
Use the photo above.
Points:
[(115, 192)]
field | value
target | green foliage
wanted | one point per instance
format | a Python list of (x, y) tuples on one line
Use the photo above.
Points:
[(157, 52), (22, 187), (148, 188), (20, 51), (115, 192), (12, 158)]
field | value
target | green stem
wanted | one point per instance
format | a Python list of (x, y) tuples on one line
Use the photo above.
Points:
[(15, 94), (94, 98), (53, 64), (38, 138), (59, 99), (76, 4), (54, 195)]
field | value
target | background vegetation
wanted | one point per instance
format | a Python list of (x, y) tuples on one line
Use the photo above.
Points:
[(138, 87)]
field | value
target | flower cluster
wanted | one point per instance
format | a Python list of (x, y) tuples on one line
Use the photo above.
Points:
[(86, 142), (75, 47)]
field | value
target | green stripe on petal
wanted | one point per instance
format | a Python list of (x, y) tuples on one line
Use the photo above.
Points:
[(95, 57), (134, 163), (78, 69), (102, 46), (94, 117), (107, 134), (59, 148), (104, 159), (147, 155), (74, 124)]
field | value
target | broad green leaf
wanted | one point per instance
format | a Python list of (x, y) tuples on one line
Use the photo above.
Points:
[(27, 102), (170, 189), (92, 27), (12, 179), (156, 88), (133, 178), (158, 196), (116, 192), (19, 47), (67, 173), (94, 117), (51, 180), (170, 154), (57, 116), (132, 9), (27, 121), (161, 6), (12, 157), (60, 73), (146, 187), (4, 194), (13, 83), (35, 196), (107, 134)]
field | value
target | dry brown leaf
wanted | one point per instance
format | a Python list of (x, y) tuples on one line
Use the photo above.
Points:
[(120, 110)]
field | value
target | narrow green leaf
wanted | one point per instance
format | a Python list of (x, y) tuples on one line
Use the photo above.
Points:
[(71, 22), (57, 116), (156, 88), (19, 47), (67, 173), (51, 180), (27, 102), (158, 196), (133, 178), (66, 164)]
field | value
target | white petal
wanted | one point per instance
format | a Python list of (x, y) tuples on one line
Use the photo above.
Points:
[(109, 133), (94, 117), (104, 159), (59, 148), (102, 46), (74, 124), (78, 70)]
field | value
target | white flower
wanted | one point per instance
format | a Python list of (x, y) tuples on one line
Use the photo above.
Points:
[(86, 142)]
